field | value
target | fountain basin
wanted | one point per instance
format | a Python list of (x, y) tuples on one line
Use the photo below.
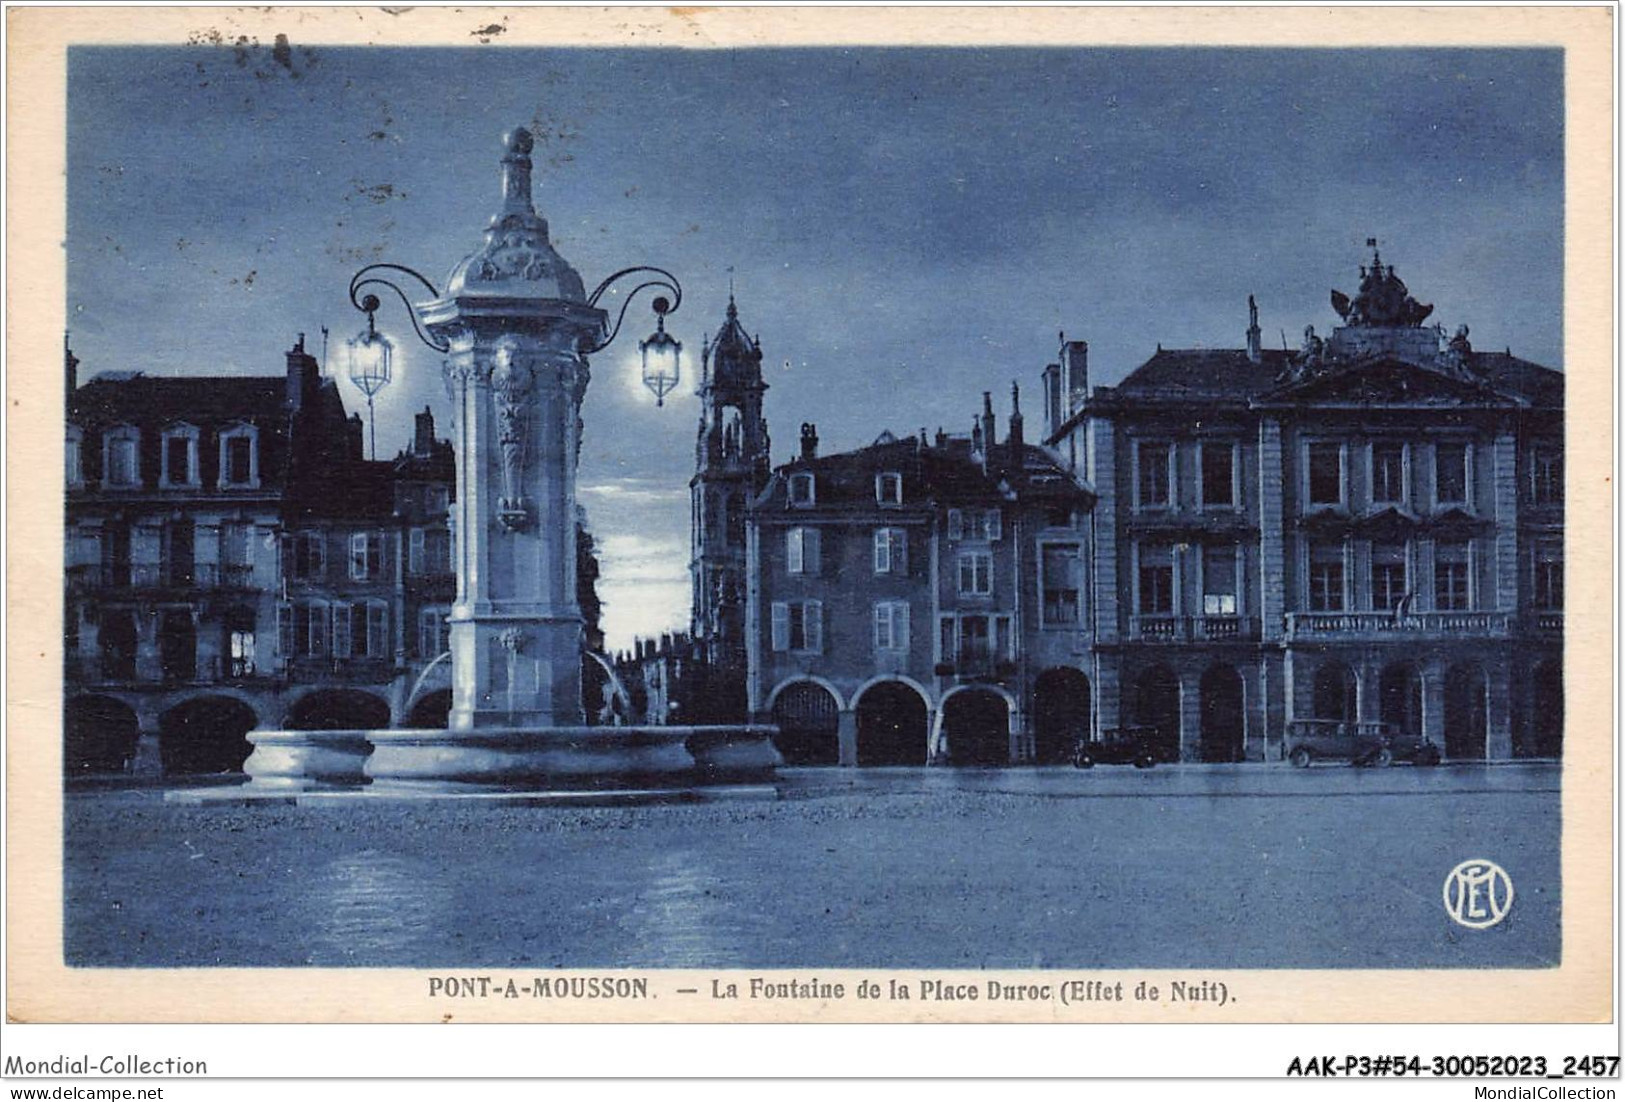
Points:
[(501, 759), (308, 759)]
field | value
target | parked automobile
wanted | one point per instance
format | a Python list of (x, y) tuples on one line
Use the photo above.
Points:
[(1312, 740), (1415, 749), (1134, 746)]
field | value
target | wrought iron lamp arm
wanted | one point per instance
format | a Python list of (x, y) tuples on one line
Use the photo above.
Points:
[(369, 303), (666, 281)]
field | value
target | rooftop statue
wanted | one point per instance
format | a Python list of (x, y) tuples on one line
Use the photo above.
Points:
[(1383, 299)]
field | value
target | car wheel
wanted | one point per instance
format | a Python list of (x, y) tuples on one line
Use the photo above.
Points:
[(1383, 757), (1144, 763), (1301, 758), (1083, 761)]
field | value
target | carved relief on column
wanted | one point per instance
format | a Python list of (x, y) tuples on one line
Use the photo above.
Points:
[(512, 379)]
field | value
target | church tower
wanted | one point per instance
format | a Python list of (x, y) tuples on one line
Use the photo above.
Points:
[(731, 466)]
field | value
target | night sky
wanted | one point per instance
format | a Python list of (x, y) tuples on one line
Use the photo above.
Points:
[(905, 228)]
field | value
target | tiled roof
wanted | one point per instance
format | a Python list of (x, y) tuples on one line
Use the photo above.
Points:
[(193, 399), (946, 471), (1205, 372)]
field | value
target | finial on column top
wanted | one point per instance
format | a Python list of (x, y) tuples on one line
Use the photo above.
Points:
[(517, 144)]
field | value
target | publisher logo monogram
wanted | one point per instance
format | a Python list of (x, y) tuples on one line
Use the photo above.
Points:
[(1478, 894)]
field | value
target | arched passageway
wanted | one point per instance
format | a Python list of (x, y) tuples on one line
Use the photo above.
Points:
[(1155, 701), (1466, 713), (1060, 714), (432, 711), (1224, 723), (99, 735), (1335, 692), (205, 735), (976, 724), (809, 722), (1548, 718), (337, 710), (891, 725)]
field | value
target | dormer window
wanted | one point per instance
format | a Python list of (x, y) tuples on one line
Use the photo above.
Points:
[(889, 488), (75, 458), (121, 457), (178, 457), (803, 494), (240, 458)]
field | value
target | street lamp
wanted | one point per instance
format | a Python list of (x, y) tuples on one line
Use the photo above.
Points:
[(662, 356), (371, 358)]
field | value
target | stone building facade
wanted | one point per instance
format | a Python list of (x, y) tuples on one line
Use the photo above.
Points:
[(907, 602), (1368, 528), (232, 562)]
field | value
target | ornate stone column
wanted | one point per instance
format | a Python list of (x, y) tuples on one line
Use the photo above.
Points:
[(517, 321)]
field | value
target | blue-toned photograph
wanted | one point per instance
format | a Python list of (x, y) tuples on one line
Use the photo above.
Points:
[(817, 508)]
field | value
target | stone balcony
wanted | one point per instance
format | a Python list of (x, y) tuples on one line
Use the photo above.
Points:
[(146, 575), (1192, 629), (1386, 626)]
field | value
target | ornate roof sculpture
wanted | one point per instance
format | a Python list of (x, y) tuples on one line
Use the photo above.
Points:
[(734, 358), (1383, 299)]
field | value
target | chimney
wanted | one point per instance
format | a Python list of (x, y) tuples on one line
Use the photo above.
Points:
[(990, 434), (1075, 374), (1017, 428), (809, 440), (1053, 417), (304, 376), (941, 438), (357, 437), (423, 432), (1255, 341), (70, 365), (976, 438)]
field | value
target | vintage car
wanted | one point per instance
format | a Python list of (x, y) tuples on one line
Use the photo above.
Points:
[(1415, 749), (1312, 740), (1134, 746)]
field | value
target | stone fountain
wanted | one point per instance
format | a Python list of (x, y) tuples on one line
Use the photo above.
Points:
[(516, 326)]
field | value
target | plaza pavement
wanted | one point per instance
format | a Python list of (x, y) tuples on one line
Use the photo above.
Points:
[(1249, 866)]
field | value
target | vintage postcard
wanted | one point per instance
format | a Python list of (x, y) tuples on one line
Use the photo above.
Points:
[(795, 515)]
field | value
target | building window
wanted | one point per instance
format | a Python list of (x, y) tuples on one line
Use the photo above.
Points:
[(304, 555), (1060, 581), (1450, 474), (1549, 578), (303, 629), (1548, 477), (975, 574), (976, 525), (1156, 578), (178, 457), (428, 551), (1389, 581), (75, 473), (239, 457), (891, 551), (891, 625), (1451, 589), (240, 653), (439, 501), (1326, 577), (1325, 474), (798, 626), (974, 643), (1218, 475), (803, 491), (431, 632), (1153, 476), (1219, 596), (889, 488), (1388, 474), (366, 556), (121, 462), (802, 550)]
